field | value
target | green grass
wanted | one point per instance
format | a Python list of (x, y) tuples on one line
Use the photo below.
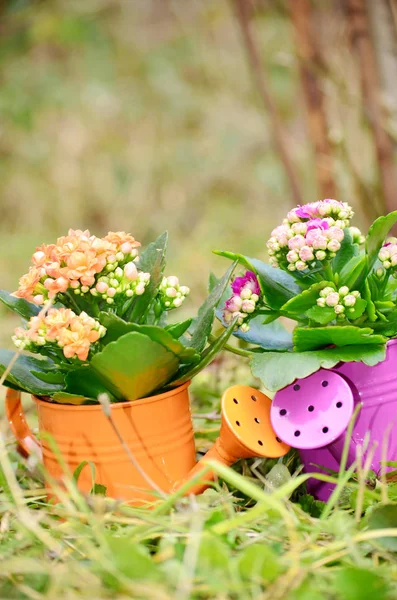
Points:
[(254, 534)]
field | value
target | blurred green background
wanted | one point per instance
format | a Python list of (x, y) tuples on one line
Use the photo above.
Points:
[(141, 115)]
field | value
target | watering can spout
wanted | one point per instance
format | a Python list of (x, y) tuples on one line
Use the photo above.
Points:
[(246, 432)]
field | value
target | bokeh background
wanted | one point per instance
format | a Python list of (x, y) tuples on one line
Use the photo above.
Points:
[(143, 115)]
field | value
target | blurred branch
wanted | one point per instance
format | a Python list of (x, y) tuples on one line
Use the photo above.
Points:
[(279, 134), (361, 42), (310, 65), (384, 36)]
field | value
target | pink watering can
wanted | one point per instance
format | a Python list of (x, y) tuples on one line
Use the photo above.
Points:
[(313, 414)]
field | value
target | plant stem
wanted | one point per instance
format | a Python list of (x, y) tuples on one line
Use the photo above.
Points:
[(328, 273), (233, 350)]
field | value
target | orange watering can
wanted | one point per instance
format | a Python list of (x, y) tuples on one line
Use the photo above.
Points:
[(157, 451)]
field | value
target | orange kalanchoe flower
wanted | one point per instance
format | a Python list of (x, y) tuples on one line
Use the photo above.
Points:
[(74, 334), (76, 263), (124, 242)]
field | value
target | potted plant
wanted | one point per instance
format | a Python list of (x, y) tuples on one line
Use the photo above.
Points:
[(340, 290), (95, 327)]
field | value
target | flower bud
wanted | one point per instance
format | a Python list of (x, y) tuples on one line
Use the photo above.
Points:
[(292, 256), (386, 264), (320, 302), (120, 256), (332, 299), (344, 290), (129, 293), (306, 254), (244, 328), (109, 300), (301, 266), (102, 287), (254, 297), (126, 248), (130, 271), (291, 267), (356, 294), (245, 293), (379, 272), (320, 255), (339, 309), (328, 290), (111, 292), (185, 291), (140, 289), (383, 254), (84, 289), (118, 272), (170, 292), (177, 302), (333, 245), (173, 281), (349, 300), (38, 300), (248, 306)]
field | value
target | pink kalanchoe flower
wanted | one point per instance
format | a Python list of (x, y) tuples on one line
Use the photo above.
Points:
[(249, 280), (318, 224)]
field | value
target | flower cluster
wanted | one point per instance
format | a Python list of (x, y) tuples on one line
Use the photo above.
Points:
[(171, 294), (388, 253), (341, 301), (61, 328), (77, 262), (310, 233), (246, 293), (339, 212)]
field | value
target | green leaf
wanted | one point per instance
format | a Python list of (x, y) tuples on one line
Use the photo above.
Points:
[(116, 328), (376, 236), (259, 563), (354, 312), (19, 305), (187, 373), (307, 338), (353, 583), (152, 260), (130, 559), (213, 555), (384, 517), (50, 376), (66, 398), (321, 314), (206, 314), (346, 252), (86, 382), (22, 373), (271, 336), (353, 272), (299, 304), (277, 286), (135, 365), (178, 329), (279, 369), (313, 507)]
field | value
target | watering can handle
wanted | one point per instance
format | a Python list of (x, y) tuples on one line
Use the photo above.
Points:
[(19, 426)]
